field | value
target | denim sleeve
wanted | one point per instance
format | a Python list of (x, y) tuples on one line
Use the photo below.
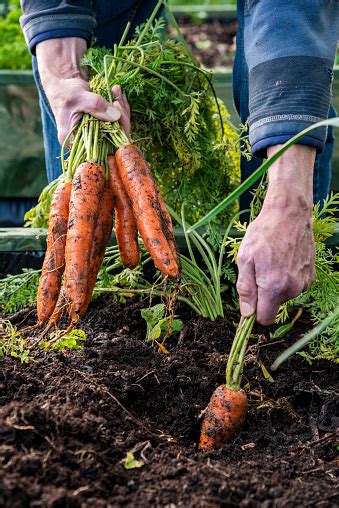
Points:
[(290, 48), (50, 19)]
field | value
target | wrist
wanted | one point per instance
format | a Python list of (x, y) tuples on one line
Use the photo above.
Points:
[(290, 179), (60, 59)]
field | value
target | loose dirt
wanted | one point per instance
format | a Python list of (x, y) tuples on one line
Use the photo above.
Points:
[(68, 420)]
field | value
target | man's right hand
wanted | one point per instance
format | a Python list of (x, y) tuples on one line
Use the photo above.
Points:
[(67, 89)]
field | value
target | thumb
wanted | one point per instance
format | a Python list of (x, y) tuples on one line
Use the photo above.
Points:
[(247, 288), (98, 107)]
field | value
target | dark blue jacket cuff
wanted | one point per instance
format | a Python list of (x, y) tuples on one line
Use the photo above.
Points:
[(43, 20), (290, 58), (259, 148), (57, 34)]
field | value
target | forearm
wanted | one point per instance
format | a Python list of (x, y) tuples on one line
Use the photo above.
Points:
[(291, 179), (60, 58)]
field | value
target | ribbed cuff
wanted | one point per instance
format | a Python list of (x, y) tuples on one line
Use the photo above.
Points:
[(60, 25), (259, 148), (287, 95), (57, 34)]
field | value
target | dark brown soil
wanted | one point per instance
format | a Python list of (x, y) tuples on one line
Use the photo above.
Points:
[(212, 43), (68, 420)]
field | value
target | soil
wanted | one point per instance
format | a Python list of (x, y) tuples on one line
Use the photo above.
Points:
[(212, 43), (68, 420)]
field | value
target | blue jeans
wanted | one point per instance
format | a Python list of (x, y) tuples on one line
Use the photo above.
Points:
[(322, 170)]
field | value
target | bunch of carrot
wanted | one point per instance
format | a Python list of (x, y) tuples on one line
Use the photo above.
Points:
[(81, 222)]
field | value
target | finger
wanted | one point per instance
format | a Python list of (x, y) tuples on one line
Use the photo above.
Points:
[(98, 107), (122, 105), (64, 126), (117, 93), (125, 104), (267, 306), (124, 118), (247, 287)]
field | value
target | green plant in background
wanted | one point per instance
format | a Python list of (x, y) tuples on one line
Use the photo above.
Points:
[(14, 53)]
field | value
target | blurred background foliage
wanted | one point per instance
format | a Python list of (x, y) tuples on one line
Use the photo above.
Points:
[(14, 54)]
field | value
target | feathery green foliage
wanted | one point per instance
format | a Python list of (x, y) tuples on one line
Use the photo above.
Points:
[(18, 291), (12, 344)]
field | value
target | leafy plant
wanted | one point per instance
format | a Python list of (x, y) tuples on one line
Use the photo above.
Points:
[(18, 291), (12, 344), (159, 325), (58, 341), (130, 462)]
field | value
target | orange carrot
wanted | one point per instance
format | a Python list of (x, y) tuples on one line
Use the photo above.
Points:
[(153, 226), (125, 226), (102, 235), (54, 262), (168, 226), (224, 416), (87, 190)]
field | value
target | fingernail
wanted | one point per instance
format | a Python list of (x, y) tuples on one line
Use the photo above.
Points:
[(246, 309), (112, 113)]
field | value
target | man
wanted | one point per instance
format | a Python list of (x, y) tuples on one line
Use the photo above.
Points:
[(282, 83)]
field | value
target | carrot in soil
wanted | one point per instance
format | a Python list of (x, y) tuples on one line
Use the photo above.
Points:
[(87, 190), (227, 408), (224, 416), (125, 225), (154, 226), (102, 235), (54, 262)]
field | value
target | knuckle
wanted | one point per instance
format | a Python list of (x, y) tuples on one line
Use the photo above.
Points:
[(96, 102), (265, 320), (275, 284), (243, 289), (243, 255)]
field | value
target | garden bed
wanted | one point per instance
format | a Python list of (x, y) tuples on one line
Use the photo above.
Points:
[(212, 43), (68, 420)]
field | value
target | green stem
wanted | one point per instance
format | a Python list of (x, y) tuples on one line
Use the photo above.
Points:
[(109, 92), (124, 35), (312, 334), (223, 246), (150, 21), (236, 357), (63, 148), (150, 71)]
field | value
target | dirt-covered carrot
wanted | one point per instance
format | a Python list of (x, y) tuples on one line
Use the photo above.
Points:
[(224, 416), (125, 225), (54, 262), (86, 196), (227, 408), (153, 225), (102, 235)]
